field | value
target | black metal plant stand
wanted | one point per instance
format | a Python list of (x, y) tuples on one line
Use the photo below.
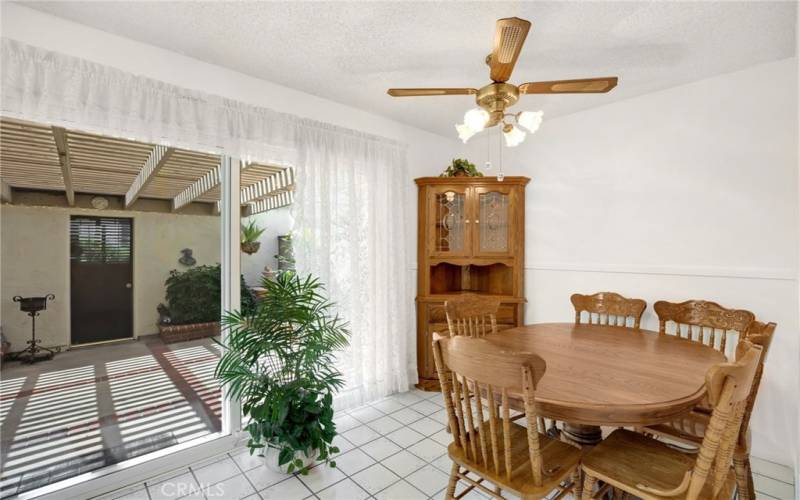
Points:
[(34, 352)]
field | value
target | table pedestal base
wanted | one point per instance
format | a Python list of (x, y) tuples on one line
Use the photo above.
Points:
[(582, 435)]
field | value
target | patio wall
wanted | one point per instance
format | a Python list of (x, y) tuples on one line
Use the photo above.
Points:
[(278, 222), (34, 259)]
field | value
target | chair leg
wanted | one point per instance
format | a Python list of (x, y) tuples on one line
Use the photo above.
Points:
[(588, 487), (618, 494), (742, 481), (577, 484), (751, 488), (451, 485)]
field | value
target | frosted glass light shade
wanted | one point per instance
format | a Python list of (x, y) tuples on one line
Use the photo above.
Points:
[(530, 120), (476, 119), (464, 132), (514, 137)]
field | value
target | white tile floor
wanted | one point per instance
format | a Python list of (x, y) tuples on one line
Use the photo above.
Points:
[(394, 449)]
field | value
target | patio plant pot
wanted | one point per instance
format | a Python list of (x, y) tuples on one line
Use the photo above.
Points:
[(182, 333), (251, 247), (271, 460)]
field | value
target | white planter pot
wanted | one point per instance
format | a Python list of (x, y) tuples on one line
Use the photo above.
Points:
[(271, 460)]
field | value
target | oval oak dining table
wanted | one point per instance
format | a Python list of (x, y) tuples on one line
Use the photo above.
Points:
[(601, 375)]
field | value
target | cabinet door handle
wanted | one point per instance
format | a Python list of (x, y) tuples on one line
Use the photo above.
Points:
[(477, 221)]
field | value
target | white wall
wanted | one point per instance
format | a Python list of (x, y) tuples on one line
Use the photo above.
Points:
[(686, 193), (277, 222), (34, 260)]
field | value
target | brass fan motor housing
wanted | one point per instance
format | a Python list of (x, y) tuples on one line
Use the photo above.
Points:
[(495, 98)]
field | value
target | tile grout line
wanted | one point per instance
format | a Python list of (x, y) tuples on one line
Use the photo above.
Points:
[(244, 473), (772, 478), (402, 448)]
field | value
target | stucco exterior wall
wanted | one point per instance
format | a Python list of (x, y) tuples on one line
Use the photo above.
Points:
[(278, 222), (34, 260)]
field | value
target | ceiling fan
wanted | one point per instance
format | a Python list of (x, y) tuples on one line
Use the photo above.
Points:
[(494, 98)]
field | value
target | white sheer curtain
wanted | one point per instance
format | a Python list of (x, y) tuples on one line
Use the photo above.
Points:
[(351, 231), (350, 213)]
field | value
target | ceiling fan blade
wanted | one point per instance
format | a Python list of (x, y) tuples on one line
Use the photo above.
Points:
[(509, 37), (583, 86), (430, 91)]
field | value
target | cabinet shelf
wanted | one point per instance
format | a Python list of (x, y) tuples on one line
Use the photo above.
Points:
[(491, 279)]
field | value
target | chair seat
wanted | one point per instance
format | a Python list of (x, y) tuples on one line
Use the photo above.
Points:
[(628, 459), (560, 461)]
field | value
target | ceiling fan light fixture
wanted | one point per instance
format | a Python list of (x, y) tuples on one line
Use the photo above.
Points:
[(465, 132), (476, 119), (530, 120), (513, 136)]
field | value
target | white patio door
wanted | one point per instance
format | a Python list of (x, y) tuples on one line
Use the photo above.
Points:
[(142, 467)]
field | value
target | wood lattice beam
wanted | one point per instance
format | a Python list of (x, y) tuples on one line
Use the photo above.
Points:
[(265, 187), (60, 138), (200, 186), (155, 162), (276, 201)]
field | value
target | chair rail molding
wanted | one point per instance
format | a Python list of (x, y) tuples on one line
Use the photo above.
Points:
[(762, 273)]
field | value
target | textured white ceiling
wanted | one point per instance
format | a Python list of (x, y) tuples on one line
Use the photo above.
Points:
[(352, 52)]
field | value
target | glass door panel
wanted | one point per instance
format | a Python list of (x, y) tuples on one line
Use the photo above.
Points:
[(494, 221), (449, 227)]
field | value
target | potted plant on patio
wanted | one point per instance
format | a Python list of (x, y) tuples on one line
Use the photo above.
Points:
[(279, 363), (250, 234)]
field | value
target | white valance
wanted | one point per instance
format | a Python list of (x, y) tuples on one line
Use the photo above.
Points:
[(53, 88), (349, 215)]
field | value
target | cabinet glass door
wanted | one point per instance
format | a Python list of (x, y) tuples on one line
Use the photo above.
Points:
[(494, 221), (449, 228)]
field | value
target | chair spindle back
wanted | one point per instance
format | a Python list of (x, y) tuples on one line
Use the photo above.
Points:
[(472, 315), (706, 322), (472, 370), (608, 308)]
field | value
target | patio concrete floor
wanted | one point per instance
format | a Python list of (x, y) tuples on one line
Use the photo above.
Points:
[(95, 406)]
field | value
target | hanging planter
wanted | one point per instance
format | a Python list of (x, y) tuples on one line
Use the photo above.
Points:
[(250, 234), (250, 247)]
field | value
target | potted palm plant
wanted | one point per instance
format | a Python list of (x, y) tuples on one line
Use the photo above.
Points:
[(250, 234), (279, 363)]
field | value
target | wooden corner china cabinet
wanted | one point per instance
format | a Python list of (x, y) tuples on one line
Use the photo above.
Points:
[(471, 239)]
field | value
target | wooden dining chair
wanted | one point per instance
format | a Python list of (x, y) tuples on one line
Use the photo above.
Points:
[(495, 447), (703, 321), (472, 315), (690, 429), (650, 469), (608, 308)]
